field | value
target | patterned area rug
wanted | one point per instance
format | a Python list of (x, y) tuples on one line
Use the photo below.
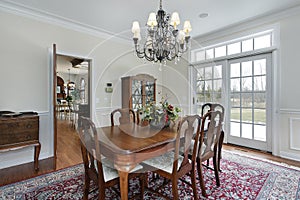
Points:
[(241, 178)]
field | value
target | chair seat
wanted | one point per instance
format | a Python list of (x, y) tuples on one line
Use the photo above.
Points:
[(164, 162), (109, 172)]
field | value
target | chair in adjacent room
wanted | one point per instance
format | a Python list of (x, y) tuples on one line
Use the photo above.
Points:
[(98, 168), (174, 165), (122, 116), (208, 146), (213, 107)]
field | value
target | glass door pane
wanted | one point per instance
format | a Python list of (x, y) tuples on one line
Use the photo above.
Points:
[(248, 102)]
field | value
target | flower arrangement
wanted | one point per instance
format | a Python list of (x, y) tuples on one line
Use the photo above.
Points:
[(160, 115)]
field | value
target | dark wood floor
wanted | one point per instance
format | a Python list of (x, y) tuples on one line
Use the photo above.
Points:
[(68, 154)]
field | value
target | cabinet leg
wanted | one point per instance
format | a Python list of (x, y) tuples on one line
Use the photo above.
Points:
[(37, 150)]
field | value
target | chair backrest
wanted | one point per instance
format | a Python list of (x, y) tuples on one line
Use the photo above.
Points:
[(90, 148), (208, 148), (207, 107), (122, 116), (188, 130)]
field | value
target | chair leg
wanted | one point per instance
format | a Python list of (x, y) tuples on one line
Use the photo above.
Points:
[(86, 187), (216, 170), (175, 188), (193, 178), (200, 175), (221, 140)]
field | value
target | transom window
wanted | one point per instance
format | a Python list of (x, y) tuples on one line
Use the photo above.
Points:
[(241, 45)]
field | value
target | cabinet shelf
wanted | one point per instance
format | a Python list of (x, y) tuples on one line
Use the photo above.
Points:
[(138, 91)]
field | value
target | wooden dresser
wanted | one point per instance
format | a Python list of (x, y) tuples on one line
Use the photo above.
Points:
[(20, 131)]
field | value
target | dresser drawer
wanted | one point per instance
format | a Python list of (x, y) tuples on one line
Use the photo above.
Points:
[(19, 130)]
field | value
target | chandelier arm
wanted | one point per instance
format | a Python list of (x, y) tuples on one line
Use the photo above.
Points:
[(164, 41)]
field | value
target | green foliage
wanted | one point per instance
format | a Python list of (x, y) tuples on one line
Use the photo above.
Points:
[(163, 112)]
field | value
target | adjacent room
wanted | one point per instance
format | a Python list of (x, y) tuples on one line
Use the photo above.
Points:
[(149, 99)]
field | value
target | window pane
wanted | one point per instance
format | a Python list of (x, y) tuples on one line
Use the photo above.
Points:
[(234, 48), (260, 116), (200, 55), (247, 45), (218, 71), (235, 129), (246, 100), (235, 85), (235, 114), (220, 51), (259, 100), (247, 68), (247, 131), (260, 67), (208, 73), (200, 74), (247, 84), (208, 86), (262, 42), (260, 83), (235, 100), (218, 85), (200, 86), (218, 97), (209, 53), (260, 133), (235, 70), (247, 115)]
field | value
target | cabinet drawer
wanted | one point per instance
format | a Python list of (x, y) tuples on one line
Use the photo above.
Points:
[(20, 130)]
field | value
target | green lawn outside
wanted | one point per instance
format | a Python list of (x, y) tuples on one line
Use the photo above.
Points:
[(259, 115)]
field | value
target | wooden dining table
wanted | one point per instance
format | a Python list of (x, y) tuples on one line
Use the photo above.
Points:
[(129, 144)]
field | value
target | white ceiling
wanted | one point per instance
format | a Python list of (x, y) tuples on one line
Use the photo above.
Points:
[(116, 16)]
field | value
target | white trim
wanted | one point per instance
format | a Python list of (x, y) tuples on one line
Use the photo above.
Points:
[(291, 119), (25, 11), (289, 155), (289, 111)]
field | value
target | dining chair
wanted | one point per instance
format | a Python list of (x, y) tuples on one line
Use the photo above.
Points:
[(213, 107), (122, 116), (98, 168), (174, 165), (208, 147)]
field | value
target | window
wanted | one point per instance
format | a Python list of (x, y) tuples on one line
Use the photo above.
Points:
[(209, 81), (246, 44)]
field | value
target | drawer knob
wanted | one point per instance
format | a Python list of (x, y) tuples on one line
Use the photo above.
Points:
[(28, 137), (28, 125)]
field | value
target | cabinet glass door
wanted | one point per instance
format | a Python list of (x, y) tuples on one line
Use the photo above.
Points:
[(137, 94), (149, 92)]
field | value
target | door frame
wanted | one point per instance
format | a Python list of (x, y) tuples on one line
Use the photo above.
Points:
[(55, 53)]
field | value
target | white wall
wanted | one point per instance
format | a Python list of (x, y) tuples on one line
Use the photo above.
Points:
[(25, 78), (286, 107)]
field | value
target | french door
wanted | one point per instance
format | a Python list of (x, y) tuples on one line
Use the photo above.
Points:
[(250, 101)]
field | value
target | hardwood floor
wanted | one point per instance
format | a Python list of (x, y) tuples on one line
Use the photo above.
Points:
[(69, 153)]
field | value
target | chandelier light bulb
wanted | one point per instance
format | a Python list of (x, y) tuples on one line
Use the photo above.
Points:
[(187, 27), (152, 20), (175, 20)]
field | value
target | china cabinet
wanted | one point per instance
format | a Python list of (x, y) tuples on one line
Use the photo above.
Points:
[(138, 91)]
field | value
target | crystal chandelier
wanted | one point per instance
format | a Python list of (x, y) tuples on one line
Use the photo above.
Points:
[(163, 41)]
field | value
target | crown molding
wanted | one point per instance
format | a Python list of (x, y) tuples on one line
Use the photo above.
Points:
[(42, 16), (252, 23)]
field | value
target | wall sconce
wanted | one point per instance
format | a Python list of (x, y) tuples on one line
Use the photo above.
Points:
[(108, 88)]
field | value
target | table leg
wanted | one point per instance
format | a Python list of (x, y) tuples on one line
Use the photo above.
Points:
[(123, 184), (37, 150)]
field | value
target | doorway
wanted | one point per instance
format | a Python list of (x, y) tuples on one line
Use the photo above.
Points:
[(250, 101), (72, 99)]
